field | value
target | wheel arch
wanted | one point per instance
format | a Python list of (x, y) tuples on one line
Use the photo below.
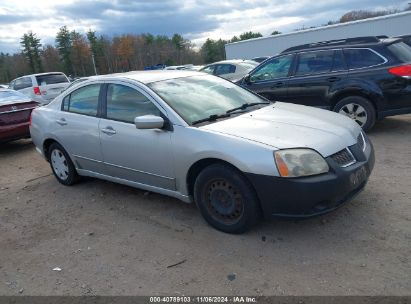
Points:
[(200, 165), (350, 93)]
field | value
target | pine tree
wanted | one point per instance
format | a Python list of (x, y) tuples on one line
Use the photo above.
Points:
[(64, 46)]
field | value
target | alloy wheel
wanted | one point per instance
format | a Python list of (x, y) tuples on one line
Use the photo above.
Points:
[(356, 112)]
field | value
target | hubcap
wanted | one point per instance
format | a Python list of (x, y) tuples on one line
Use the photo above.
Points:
[(356, 112), (59, 164), (224, 202)]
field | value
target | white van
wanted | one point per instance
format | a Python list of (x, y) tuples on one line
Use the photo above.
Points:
[(42, 87)]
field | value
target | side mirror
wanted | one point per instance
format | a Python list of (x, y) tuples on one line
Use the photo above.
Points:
[(247, 79), (149, 122)]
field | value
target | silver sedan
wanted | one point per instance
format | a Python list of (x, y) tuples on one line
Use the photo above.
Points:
[(203, 139)]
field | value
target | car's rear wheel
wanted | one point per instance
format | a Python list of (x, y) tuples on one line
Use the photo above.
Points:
[(226, 199), (358, 109), (61, 165)]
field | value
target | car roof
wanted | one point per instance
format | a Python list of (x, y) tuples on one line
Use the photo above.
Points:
[(358, 42), (149, 76), (40, 74)]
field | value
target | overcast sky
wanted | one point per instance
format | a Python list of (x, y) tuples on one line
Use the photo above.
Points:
[(194, 19)]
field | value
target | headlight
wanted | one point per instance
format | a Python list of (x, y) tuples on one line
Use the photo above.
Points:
[(299, 162)]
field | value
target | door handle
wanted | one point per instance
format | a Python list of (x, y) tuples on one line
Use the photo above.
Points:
[(333, 79), (61, 121), (108, 131), (277, 85)]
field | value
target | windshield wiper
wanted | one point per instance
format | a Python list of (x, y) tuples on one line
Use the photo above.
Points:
[(246, 105), (213, 117)]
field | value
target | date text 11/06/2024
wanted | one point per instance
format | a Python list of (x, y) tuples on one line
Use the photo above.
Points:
[(203, 299)]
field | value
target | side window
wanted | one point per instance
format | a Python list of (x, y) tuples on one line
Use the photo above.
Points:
[(338, 63), (361, 58), (314, 62), (222, 69), (66, 103), (22, 83), (209, 69), (125, 104), (83, 101), (275, 68), (11, 85)]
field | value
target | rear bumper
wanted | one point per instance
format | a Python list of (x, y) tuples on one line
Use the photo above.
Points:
[(315, 195), (14, 132)]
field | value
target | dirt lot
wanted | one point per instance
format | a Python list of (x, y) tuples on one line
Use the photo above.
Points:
[(110, 239)]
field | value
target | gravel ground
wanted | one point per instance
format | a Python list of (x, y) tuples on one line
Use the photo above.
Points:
[(110, 239)]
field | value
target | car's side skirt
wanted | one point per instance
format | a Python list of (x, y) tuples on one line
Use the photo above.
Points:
[(163, 191)]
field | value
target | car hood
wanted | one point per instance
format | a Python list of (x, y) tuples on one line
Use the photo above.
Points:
[(286, 125)]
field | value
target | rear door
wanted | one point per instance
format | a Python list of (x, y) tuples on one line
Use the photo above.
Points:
[(77, 127), (316, 76), (51, 85), (270, 79)]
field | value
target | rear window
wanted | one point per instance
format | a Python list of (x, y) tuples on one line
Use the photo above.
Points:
[(361, 58), (51, 79), (401, 50)]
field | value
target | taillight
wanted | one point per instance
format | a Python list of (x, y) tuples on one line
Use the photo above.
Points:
[(37, 90), (402, 70)]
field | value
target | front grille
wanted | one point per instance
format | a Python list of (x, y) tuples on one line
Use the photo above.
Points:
[(343, 158), (361, 141)]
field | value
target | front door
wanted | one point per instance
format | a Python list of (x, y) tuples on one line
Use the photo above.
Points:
[(271, 78), (142, 156), (317, 75)]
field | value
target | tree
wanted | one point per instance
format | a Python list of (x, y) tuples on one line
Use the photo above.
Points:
[(94, 48), (27, 51), (31, 51), (64, 46), (80, 54), (250, 35), (275, 33), (213, 50)]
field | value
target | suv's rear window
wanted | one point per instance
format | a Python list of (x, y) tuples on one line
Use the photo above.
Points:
[(51, 79), (401, 50), (361, 58)]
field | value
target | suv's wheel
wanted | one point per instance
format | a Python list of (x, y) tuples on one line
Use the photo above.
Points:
[(61, 165), (226, 199), (359, 109)]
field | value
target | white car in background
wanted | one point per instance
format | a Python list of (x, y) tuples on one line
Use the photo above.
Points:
[(232, 70), (43, 87)]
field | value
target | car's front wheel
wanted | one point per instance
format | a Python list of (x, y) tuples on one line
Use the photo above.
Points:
[(358, 109), (226, 199), (61, 165)]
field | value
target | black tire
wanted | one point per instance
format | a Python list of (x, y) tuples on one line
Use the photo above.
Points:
[(358, 102), (67, 175), (226, 199)]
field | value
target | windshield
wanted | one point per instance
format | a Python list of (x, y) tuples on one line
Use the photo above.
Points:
[(197, 97)]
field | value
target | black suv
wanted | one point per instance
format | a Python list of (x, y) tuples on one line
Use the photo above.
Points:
[(365, 78)]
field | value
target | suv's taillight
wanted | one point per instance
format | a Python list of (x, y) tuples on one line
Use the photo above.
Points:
[(36, 90), (402, 70)]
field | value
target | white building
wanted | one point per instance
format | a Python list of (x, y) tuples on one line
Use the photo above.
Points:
[(390, 25)]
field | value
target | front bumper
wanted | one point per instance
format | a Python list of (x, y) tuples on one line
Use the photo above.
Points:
[(314, 195)]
